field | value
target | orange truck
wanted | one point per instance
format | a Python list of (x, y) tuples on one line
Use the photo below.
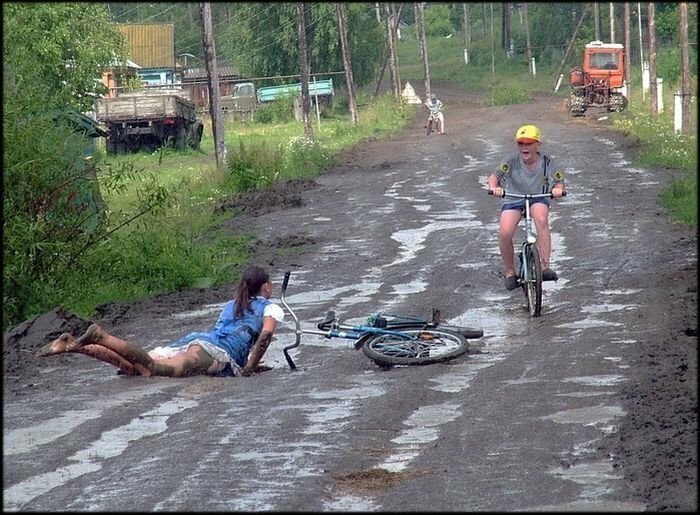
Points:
[(600, 82)]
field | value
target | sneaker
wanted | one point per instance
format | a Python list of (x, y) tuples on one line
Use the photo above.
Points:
[(549, 275), (511, 282)]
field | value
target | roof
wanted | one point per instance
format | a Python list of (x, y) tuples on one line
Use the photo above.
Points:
[(601, 45), (201, 73)]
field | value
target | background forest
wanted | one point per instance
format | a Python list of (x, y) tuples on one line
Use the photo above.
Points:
[(155, 230)]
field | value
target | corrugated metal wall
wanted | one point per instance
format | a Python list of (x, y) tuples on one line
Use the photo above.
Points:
[(152, 45)]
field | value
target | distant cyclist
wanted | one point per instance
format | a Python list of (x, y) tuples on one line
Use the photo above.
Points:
[(435, 107), (529, 171)]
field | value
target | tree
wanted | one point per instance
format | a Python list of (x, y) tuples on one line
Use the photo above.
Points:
[(423, 46), (652, 60), (347, 62), (304, 67), (263, 41), (685, 68), (217, 121), (56, 52), (628, 50)]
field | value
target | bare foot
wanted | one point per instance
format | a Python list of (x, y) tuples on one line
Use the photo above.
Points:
[(64, 343)]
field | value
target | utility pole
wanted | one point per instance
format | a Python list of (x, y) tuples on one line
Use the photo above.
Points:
[(628, 50), (596, 19), (653, 87), (685, 68), (493, 50), (390, 46), (467, 32), (505, 27), (386, 59), (641, 46), (612, 22), (347, 64), (530, 63), (217, 122), (394, 36), (304, 70), (571, 45), (420, 24)]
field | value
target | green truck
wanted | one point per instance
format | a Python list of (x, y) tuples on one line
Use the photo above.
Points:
[(245, 99), (149, 120)]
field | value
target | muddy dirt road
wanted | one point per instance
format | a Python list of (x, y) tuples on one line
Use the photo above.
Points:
[(592, 406)]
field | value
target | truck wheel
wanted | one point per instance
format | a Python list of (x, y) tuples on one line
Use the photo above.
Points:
[(111, 145), (196, 137), (618, 103), (181, 139)]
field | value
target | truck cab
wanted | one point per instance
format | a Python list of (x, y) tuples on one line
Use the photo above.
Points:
[(605, 61), (241, 101)]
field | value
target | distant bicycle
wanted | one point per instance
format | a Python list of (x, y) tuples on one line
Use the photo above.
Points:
[(390, 339), (528, 266), (433, 122)]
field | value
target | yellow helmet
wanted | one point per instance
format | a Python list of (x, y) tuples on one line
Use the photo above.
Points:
[(528, 134)]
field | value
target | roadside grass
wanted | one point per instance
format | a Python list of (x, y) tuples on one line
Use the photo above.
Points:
[(178, 244), (661, 146)]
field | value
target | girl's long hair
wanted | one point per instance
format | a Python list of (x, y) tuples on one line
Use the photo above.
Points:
[(249, 286)]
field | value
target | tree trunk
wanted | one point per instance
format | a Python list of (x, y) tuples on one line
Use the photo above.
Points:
[(347, 64), (394, 36), (628, 51), (304, 70), (217, 122), (505, 27), (651, 27), (685, 68), (612, 22), (423, 49), (386, 60), (467, 26), (527, 39)]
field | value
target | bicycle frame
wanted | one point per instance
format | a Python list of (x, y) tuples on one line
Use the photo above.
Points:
[(530, 272), (331, 327)]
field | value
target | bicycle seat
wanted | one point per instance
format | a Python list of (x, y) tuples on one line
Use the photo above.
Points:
[(325, 324)]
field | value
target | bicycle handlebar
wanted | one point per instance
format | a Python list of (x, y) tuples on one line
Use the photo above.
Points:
[(285, 350), (527, 195)]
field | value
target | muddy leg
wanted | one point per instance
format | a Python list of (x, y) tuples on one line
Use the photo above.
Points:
[(111, 357), (125, 351)]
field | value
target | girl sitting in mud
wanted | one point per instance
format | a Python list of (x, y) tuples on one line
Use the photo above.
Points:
[(236, 344)]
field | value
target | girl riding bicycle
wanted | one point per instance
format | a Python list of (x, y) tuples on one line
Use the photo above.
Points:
[(528, 172)]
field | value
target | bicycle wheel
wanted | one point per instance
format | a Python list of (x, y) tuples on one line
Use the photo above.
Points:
[(425, 346), (532, 282), (430, 126)]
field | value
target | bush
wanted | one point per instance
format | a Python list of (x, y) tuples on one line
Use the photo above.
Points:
[(252, 166), (277, 111), (505, 94)]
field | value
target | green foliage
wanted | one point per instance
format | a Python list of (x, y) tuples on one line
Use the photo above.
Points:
[(251, 166), (506, 94), (262, 40), (303, 157), (46, 60), (681, 197), (277, 111), (437, 20), (661, 146)]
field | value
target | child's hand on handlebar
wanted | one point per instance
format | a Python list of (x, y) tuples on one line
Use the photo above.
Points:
[(558, 191), (497, 191)]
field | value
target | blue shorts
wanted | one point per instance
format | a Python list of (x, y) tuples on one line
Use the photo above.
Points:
[(520, 204)]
